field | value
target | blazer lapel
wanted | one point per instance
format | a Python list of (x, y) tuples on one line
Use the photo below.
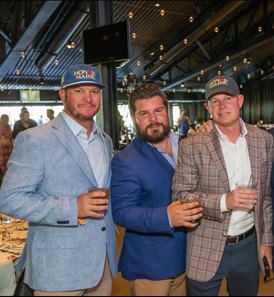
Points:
[(254, 154), (152, 153), (71, 145), (215, 150)]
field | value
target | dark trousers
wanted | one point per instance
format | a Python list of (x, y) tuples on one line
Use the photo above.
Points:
[(240, 267)]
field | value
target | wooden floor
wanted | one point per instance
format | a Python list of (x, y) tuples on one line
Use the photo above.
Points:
[(120, 286)]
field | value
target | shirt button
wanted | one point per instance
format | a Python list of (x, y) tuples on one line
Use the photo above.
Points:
[(103, 228)]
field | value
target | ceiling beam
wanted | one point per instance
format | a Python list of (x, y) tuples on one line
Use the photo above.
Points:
[(33, 29)]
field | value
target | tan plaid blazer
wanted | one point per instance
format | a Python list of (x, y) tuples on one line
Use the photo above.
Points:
[(201, 168)]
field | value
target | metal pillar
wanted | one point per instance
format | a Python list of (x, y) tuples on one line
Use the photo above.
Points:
[(101, 13)]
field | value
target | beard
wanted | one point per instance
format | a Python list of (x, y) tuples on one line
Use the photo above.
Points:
[(70, 108), (155, 136)]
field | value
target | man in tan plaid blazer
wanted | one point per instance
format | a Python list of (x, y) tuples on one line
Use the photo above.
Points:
[(235, 231)]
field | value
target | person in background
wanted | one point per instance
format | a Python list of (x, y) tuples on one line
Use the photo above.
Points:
[(153, 253), (50, 114), (235, 230), (24, 123), (192, 130), (40, 121), (71, 244), (5, 142), (183, 125)]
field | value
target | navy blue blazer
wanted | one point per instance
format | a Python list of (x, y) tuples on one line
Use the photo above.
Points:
[(141, 191)]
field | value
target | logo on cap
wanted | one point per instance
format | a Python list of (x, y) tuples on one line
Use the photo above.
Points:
[(82, 74), (218, 82)]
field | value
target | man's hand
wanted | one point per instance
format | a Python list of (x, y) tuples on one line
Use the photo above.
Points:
[(205, 127), (183, 214)]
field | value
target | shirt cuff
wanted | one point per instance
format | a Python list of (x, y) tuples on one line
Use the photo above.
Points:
[(171, 227), (223, 204)]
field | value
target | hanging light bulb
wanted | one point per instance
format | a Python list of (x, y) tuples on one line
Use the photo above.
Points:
[(182, 85), (157, 4), (160, 57), (227, 58), (162, 12), (23, 54), (161, 47), (71, 44), (185, 41), (174, 91), (216, 29), (133, 35), (219, 72), (164, 82), (248, 76), (138, 63), (260, 29), (130, 15), (17, 71), (234, 68), (245, 60), (56, 62), (191, 19), (202, 72)]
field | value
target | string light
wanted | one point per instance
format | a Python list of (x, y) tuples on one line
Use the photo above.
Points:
[(133, 35), (130, 15), (71, 44), (160, 57), (162, 12), (23, 54), (56, 62), (17, 71), (216, 29), (227, 58), (138, 63), (185, 41), (191, 19), (182, 85), (234, 68), (260, 29), (161, 47)]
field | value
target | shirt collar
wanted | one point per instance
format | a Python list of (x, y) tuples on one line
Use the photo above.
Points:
[(243, 130), (75, 127)]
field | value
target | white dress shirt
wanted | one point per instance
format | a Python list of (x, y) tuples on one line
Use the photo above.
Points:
[(93, 147), (238, 168)]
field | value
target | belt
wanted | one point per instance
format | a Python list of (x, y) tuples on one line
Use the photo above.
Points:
[(236, 239)]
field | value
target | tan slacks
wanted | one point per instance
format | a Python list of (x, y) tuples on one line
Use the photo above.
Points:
[(168, 287), (103, 288)]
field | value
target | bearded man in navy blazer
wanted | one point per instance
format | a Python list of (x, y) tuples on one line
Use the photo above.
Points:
[(71, 245), (153, 253)]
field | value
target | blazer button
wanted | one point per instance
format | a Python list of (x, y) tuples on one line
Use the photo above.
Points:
[(103, 228)]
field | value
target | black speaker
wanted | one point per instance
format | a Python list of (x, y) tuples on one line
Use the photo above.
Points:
[(105, 44)]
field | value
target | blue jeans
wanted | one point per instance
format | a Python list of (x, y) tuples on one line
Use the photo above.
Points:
[(239, 265)]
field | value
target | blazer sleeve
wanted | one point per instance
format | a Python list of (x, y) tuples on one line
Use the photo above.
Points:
[(21, 195), (126, 192)]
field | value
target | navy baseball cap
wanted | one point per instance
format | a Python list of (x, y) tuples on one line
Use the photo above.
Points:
[(221, 84), (81, 74)]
